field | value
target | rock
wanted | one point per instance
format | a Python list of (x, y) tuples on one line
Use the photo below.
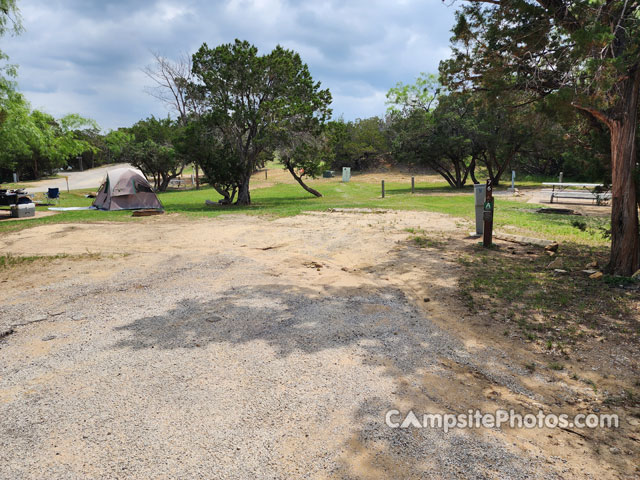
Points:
[(633, 422), (427, 300), (552, 247), (559, 270), (551, 254), (614, 450), (589, 272), (6, 332), (636, 275), (593, 264), (48, 338), (555, 264), (596, 275)]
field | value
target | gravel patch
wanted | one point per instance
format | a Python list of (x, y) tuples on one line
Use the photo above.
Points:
[(231, 366)]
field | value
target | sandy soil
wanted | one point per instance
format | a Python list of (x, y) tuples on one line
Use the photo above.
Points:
[(5, 215), (243, 347)]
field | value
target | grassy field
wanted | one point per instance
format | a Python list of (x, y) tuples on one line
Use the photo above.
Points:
[(289, 199)]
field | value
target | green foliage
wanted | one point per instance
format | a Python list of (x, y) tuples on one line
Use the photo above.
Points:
[(251, 103), (218, 160), (34, 142), (440, 139), (359, 144), (422, 94), (149, 146)]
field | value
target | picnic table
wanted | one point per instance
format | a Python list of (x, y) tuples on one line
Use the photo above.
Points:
[(596, 192)]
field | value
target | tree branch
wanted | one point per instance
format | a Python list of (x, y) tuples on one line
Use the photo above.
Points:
[(603, 117)]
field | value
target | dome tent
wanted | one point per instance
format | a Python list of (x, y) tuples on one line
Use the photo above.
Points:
[(126, 189)]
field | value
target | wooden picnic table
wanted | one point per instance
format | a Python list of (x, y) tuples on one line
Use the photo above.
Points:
[(597, 192)]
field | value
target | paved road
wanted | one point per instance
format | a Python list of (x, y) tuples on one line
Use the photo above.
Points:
[(77, 180)]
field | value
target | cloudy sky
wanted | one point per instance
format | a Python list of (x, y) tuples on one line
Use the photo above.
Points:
[(87, 56)]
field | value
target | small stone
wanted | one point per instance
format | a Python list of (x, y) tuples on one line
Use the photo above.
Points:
[(596, 275), (559, 270), (614, 450), (593, 264), (48, 338), (633, 422), (6, 332), (427, 300), (555, 264), (589, 272), (552, 247)]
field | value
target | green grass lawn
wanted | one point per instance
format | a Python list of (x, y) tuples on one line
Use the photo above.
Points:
[(289, 199)]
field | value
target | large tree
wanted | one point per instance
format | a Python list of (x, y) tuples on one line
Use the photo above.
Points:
[(586, 52), (250, 101)]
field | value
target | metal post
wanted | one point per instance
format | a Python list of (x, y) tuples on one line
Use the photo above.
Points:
[(479, 194), (382, 188), (487, 239), (413, 184), (197, 177)]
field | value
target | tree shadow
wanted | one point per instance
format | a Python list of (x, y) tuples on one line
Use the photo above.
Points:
[(386, 331)]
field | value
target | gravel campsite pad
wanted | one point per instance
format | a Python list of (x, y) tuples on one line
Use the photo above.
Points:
[(244, 347)]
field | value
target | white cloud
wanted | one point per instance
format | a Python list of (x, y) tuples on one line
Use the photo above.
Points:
[(86, 57)]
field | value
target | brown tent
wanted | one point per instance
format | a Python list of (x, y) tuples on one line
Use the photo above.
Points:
[(126, 189)]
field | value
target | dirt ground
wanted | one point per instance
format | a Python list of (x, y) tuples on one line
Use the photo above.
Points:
[(246, 347)]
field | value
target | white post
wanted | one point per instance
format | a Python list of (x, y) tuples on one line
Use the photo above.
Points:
[(513, 179), (480, 190), (561, 174)]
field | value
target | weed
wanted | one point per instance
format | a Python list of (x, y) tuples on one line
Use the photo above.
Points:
[(556, 366)]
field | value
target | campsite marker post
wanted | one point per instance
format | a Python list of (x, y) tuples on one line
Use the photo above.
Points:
[(413, 184), (487, 238), (67, 179), (382, 188)]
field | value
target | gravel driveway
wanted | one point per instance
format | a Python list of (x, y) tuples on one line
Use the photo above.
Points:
[(233, 348)]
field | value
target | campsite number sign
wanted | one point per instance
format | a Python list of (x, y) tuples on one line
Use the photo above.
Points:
[(488, 216)]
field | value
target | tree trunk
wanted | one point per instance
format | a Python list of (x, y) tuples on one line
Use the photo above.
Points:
[(625, 240), (472, 171), (244, 197), (302, 184), (165, 183)]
